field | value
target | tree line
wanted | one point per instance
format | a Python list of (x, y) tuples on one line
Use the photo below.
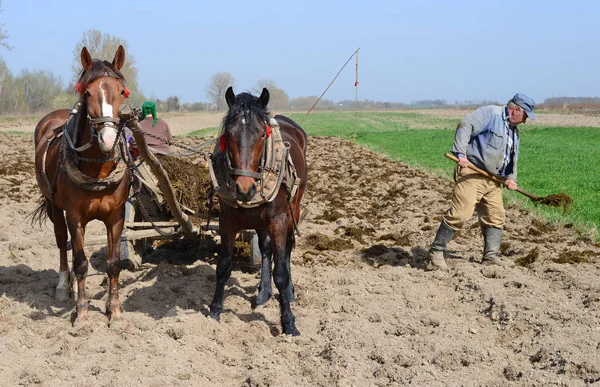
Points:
[(39, 91)]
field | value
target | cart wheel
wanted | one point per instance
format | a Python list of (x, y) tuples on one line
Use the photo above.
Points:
[(255, 250), (130, 259)]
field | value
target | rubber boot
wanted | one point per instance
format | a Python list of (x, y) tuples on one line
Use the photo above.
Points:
[(492, 237), (436, 251)]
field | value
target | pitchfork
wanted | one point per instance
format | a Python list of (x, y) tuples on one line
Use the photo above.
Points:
[(554, 200)]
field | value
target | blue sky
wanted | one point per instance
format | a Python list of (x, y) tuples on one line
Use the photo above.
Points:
[(409, 50)]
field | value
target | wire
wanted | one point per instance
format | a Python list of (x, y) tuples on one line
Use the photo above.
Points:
[(315, 104)]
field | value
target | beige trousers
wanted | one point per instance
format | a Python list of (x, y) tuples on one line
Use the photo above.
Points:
[(475, 192)]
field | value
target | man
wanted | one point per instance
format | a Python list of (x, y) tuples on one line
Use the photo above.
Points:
[(150, 192), (157, 135), (155, 126), (489, 139)]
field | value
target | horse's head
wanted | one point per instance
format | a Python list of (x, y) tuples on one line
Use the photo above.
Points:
[(245, 129), (102, 90)]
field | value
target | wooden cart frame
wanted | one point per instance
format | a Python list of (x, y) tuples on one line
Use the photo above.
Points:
[(138, 232)]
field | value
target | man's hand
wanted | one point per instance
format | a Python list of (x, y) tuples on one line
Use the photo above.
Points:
[(463, 161), (510, 184)]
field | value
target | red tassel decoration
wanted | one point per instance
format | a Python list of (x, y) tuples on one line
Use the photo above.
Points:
[(268, 131), (78, 87), (126, 93), (222, 143)]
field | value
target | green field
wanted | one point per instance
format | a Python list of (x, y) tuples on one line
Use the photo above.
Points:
[(552, 159)]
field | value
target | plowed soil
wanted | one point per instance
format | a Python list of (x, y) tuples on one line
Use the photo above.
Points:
[(368, 312)]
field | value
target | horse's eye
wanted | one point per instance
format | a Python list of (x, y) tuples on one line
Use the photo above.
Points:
[(263, 134), (123, 92)]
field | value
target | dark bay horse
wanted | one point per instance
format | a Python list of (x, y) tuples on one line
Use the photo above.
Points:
[(239, 154), (79, 169)]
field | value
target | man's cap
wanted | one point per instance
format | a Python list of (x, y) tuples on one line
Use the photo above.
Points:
[(149, 107), (526, 103)]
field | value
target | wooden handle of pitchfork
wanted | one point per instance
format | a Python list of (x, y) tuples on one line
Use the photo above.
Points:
[(492, 177)]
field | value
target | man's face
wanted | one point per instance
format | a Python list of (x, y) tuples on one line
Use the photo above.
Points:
[(517, 116)]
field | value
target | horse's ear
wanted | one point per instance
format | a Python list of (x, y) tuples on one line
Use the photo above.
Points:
[(263, 100), (86, 59), (230, 97), (119, 58)]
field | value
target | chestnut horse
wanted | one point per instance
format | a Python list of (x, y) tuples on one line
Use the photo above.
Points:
[(79, 169), (242, 147)]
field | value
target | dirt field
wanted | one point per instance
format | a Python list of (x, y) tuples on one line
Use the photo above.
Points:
[(368, 312), (181, 124), (541, 118)]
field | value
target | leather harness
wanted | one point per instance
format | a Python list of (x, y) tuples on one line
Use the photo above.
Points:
[(277, 168), (69, 160)]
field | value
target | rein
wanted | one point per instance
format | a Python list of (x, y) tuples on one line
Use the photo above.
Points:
[(74, 113)]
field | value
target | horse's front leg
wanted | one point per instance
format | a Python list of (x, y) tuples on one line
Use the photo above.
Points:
[(114, 228), (288, 264), (223, 269), (265, 291), (280, 240), (80, 265), (64, 287)]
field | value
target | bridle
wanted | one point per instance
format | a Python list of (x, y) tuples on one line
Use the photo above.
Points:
[(263, 158), (95, 124)]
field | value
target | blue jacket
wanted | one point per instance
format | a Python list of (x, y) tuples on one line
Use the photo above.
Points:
[(483, 135)]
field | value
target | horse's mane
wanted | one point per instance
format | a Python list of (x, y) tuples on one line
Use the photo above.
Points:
[(100, 68), (245, 103)]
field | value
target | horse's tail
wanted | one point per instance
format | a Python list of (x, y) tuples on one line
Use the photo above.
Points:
[(40, 214)]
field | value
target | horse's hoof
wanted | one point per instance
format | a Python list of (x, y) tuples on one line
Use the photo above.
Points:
[(116, 323), (80, 321), (291, 331), (215, 316), (262, 298), (62, 294)]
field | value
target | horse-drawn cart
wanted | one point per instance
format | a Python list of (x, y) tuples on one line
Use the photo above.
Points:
[(153, 211)]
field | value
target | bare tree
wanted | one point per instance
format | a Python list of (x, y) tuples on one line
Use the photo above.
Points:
[(278, 98), (37, 89), (103, 46), (266, 83), (4, 34), (7, 88), (216, 87), (172, 103)]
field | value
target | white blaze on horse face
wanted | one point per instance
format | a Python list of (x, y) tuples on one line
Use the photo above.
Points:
[(107, 109), (108, 134)]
